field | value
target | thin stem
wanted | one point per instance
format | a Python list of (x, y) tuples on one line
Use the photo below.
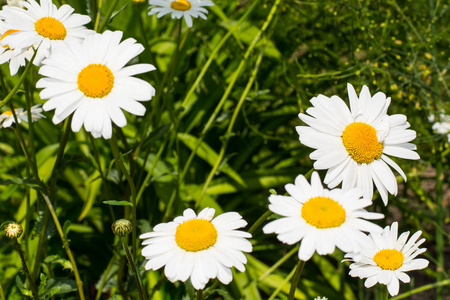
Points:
[(137, 277), (261, 220), (296, 279), (65, 245), (422, 289), (97, 16), (108, 15), (278, 263), (40, 247), (286, 280), (199, 295), (385, 294), (25, 268), (118, 159), (2, 294), (439, 222), (104, 277)]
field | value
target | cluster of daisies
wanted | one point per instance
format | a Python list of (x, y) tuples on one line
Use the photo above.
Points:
[(86, 74), (353, 145)]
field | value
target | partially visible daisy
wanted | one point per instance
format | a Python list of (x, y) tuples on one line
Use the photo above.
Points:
[(180, 8), (443, 126), (6, 54), (14, 3), (385, 259), (90, 79), (7, 118), (321, 219), (198, 247), (354, 144), (44, 25)]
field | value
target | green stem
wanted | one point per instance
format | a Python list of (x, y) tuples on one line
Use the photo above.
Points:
[(97, 16), (278, 263), (123, 169), (25, 268), (439, 222), (137, 277), (286, 280), (261, 220), (199, 295), (386, 294), (40, 247), (2, 294), (65, 246), (422, 289), (296, 279), (59, 156), (108, 15)]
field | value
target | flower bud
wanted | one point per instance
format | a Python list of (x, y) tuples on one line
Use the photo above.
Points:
[(13, 230), (122, 227)]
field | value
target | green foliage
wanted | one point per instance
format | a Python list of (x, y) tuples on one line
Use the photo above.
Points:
[(304, 49)]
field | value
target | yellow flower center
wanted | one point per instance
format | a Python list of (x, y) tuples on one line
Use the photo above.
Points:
[(8, 112), (95, 81), (182, 5), (196, 235), (51, 28), (361, 142), (388, 259), (323, 212), (8, 32)]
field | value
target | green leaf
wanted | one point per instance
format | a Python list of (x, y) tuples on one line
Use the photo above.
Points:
[(56, 259), (29, 182), (205, 152), (21, 286), (118, 203)]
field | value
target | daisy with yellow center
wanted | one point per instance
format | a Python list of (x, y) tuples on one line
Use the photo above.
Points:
[(42, 25), (90, 79), (7, 118), (6, 54), (386, 258), (321, 219), (198, 247), (354, 145), (180, 8)]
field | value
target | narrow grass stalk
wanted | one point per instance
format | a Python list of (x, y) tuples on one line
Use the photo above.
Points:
[(97, 16), (65, 246), (25, 268), (439, 223), (41, 242), (280, 287), (199, 295), (108, 16), (137, 277), (104, 277), (261, 220), (118, 159), (296, 279), (422, 289), (2, 293), (278, 263)]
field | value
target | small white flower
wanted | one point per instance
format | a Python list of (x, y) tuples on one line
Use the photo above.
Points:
[(385, 259), (443, 126), (90, 79), (180, 8), (354, 144), (7, 118), (44, 25), (198, 247), (14, 3), (320, 298), (322, 219), (6, 54)]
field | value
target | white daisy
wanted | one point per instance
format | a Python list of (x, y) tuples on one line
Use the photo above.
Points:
[(443, 126), (91, 80), (322, 219), (180, 8), (44, 25), (198, 247), (385, 259), (6, 54), (354, 144), (7, 118)]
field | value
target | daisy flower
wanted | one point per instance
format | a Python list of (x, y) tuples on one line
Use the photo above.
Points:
[(7, 118), (443, 126), (385, 259), (322, 219), (198, 247), (90, 80), (44, 25), (6, 54), (354, 144), (180, 8)]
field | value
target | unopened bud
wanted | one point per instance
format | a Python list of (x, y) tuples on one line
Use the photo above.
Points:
[(13, 230), (122, 227)]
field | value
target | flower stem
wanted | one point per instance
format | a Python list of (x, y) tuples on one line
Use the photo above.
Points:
[(296, 279), (258, 222), (137, 277), (199, 294), (108, 16), (25, 268)]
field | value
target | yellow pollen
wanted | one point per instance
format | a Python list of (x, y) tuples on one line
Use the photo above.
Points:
[(95, 81), (389, 259), (8, 32), (51, 28), (182, 5), (196, 235), (8, 113), (323, 212), (361, 142)]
